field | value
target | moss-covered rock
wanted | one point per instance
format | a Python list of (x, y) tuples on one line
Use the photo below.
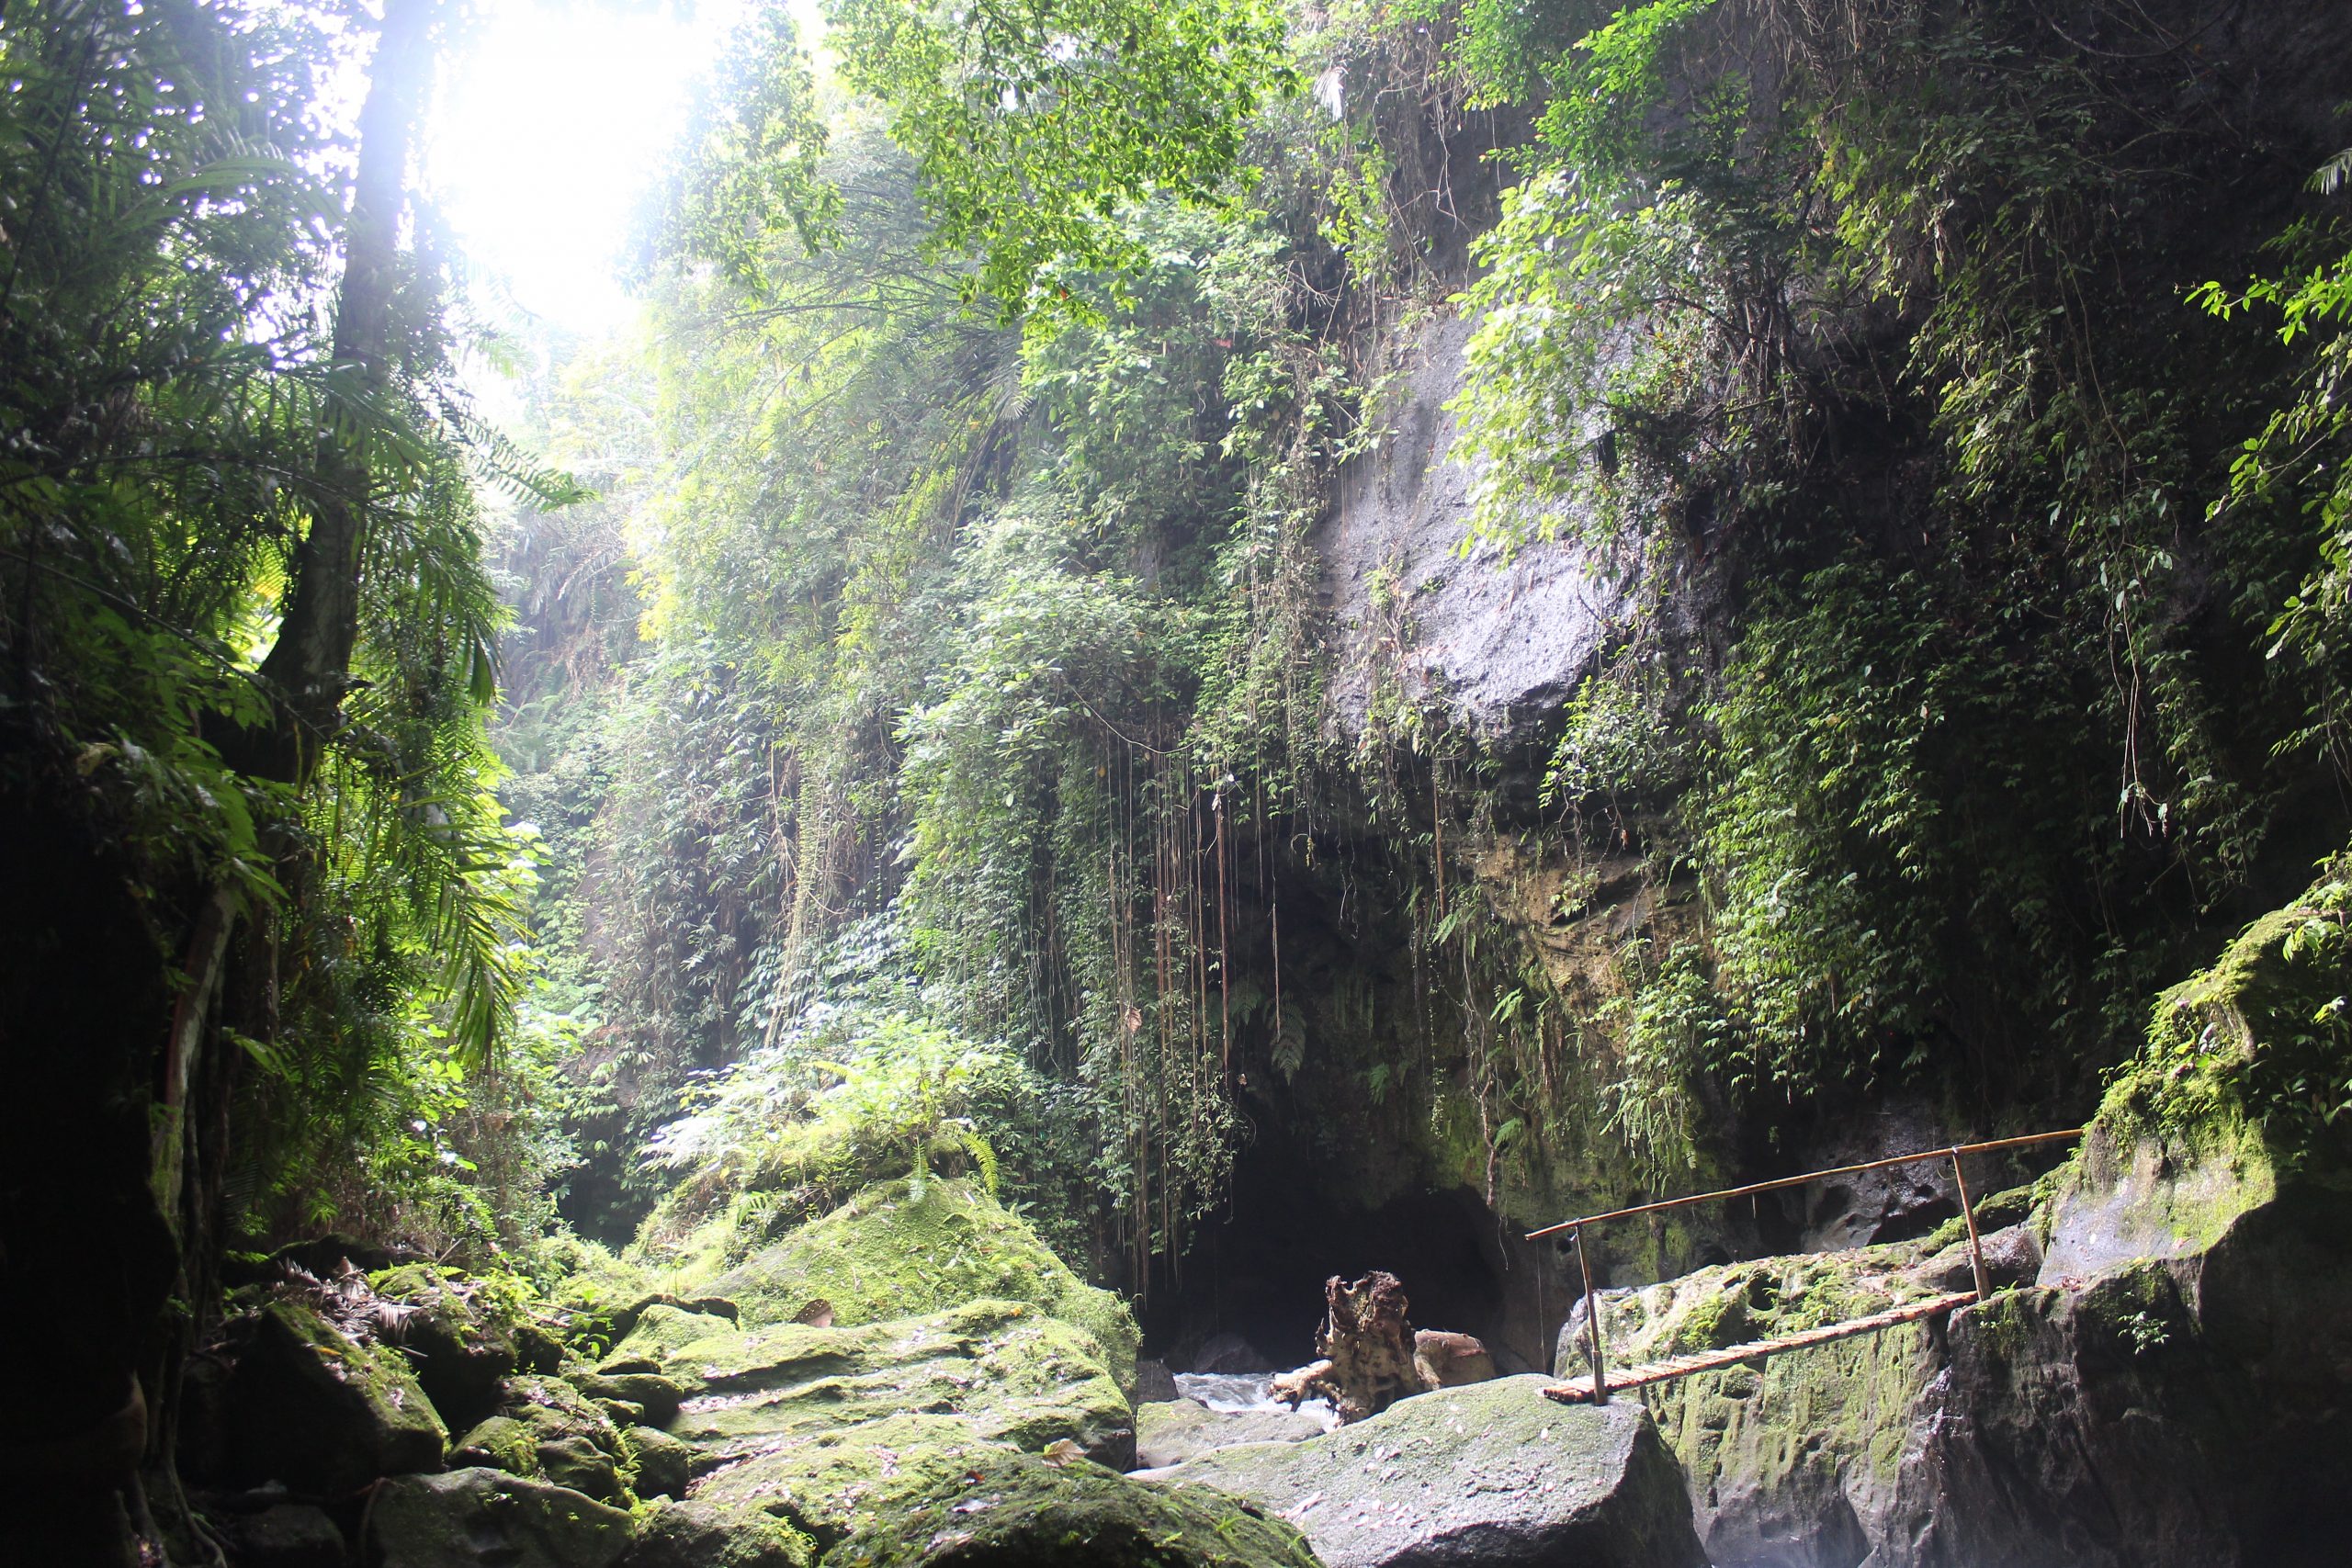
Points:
[(895, 1251), (312, 1408), (831, 1481), (689, 1535), (1009, 1508), (654, 1398), (499, 1443), (1491, 1472), (660, 1464), (657, 1334), (1008, 1370), (457, 1344), (486, 1517), (579, 1465)]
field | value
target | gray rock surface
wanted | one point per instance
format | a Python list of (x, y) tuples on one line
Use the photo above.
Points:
[(486, 1518), (1499, 641), (292, 1535), (2012, 1257), (1171, 1431), (1493, 1474)]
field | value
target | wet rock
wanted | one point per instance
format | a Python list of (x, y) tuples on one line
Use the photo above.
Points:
[(292, 1535), (1170, 1432), (457, 1347), (1493, 1474), (1900, 1202), (892, 1252), (1007, 1371), (689, 1535), (1154, 1383), (486, 1518), (322, 1414), (1007, 1508), (1498, 640), (1230, 1353)]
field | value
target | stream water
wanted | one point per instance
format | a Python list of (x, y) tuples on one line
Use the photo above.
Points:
[(1231, 1393)]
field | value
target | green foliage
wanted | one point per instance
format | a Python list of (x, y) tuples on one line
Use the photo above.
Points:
[(177, 424), (747, 171), (2262, 1036), (2294, 476), (1031, 121)]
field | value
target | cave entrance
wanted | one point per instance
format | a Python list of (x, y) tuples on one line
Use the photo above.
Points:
[(1255, 1276)]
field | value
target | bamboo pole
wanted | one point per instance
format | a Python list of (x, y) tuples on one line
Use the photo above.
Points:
[(1592, 1324), (1785, 1181), (1976, 1244)]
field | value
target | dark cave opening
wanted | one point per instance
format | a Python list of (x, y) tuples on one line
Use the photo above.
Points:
[(1257, 1273)]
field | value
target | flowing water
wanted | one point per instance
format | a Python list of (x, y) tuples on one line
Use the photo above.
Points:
[(1232, 1392)]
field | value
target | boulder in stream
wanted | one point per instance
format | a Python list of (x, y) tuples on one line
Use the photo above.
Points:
[(1493, 1474)]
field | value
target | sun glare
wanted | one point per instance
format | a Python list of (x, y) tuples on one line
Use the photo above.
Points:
[(554, 114)]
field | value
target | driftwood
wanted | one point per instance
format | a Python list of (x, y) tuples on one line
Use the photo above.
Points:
[(1369, 1355)]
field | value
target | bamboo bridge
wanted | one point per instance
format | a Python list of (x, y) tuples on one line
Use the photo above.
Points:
[(1595, 1388)]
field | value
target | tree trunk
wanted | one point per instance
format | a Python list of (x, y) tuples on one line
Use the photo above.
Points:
[(310, 665)]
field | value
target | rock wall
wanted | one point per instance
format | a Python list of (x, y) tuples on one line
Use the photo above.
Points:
[(1498, 640), (2171, 1387)]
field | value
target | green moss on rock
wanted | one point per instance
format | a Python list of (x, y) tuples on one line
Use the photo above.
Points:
[(1010, 1508), (1010, 1371), (894, 1251), (316, 1410), (500, 1443), (487, 1517)]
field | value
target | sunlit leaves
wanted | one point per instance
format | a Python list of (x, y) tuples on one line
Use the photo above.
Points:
[(1031, 121)]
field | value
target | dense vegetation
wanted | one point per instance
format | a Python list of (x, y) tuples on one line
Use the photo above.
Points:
[(915, 745)]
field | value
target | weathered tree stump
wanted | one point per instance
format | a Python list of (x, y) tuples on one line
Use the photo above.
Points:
[(1370, 1355)]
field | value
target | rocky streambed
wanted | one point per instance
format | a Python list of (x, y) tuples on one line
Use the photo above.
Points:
[(409, 1419), (2163, 1376)]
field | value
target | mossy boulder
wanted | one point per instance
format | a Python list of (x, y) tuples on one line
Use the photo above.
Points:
[(486, 1517), (499, 1443), (660, 1464), (654, 1398), (570, 1439), (900, 1249), (1010, 1373), (457, 1344), (831, 1481), (1009, 1508), (1492, 1473), (657, 1333), (689, 1535), (310, 1407)]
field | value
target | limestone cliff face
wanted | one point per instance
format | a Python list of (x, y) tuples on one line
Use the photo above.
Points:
[(1493, 640)]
